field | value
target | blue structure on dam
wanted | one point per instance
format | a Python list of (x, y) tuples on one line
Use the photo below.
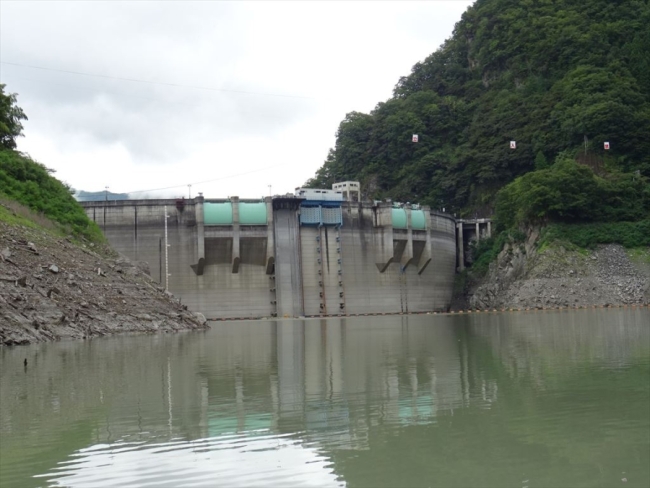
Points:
[(312, 253), (320, 207)]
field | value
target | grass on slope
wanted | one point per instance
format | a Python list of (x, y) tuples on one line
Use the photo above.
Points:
[(29, 183), (587, 236), (14, 213)]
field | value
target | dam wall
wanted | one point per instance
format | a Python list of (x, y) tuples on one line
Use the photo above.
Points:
[(283, 256)]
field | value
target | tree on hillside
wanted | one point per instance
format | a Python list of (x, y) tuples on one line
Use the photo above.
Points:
[(570, 192), (11, 116)]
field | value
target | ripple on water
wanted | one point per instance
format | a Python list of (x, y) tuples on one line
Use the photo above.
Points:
[(237, 460)]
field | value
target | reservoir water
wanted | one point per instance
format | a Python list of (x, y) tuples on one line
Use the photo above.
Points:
[(528, 399)]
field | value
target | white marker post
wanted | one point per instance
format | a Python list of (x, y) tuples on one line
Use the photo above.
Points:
[(166, 254)]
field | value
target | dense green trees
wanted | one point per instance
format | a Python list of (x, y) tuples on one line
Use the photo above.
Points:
[(570, 192), (11, 117), (549, 74)]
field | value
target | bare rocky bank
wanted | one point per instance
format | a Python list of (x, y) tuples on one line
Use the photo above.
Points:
[(52, 288), (525, 277)]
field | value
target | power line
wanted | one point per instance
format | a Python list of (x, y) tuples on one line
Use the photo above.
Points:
[(108, 92), (208, 181), (162, 83), (100, 92)]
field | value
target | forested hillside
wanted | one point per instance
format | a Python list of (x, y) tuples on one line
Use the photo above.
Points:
[(552, 75)]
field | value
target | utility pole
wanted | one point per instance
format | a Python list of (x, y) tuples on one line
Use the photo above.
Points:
[(106, 193), (270, 191), (189, 189), (166, 253)]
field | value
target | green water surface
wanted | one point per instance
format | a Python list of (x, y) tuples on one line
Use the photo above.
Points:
[(530, 399)]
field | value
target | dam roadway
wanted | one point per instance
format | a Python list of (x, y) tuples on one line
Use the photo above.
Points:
[(288, 256)]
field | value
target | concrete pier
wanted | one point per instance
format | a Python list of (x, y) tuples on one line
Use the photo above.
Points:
[(407, 253), (383, 237), (468, 231), (200, 235), (236, 244)]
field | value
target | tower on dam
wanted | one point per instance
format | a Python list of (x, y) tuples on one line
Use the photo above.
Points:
[(317, 252)]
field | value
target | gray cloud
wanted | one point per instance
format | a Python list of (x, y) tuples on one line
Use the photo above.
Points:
[(174, 44), (153, 122), (344, 55)]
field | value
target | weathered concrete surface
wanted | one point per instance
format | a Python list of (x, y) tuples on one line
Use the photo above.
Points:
[(288, 273), (396, 289), (51, 288), (381, 269), (137, 230)]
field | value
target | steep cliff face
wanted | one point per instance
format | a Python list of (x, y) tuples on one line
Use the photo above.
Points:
[(52, 288), (524, 276)]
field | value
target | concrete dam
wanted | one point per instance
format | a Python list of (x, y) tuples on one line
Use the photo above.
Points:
[(309, 254)]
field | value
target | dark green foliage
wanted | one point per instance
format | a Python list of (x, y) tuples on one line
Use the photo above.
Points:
[(28, 182), (544, 73), (570, 192), (540, 161), (485, 251), (10, 119), (629, 234)]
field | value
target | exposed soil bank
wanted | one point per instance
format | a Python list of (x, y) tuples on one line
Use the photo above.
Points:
[(525, 277), (52, 288)]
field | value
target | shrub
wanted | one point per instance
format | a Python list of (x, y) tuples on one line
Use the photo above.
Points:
[(569, 192), (628, 234), (485, 251)]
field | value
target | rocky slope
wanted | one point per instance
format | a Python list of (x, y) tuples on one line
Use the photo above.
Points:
[(523, 277), (52, 288)]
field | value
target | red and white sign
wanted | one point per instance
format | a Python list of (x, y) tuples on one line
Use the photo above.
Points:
[(513, 144), (415, 138), (607, 146)]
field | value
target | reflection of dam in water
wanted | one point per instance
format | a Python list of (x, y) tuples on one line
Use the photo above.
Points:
[(381, 401), (334, 379), (281, 377), (325, 375)]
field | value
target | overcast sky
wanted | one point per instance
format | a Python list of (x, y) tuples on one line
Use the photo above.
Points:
[(245, 94)]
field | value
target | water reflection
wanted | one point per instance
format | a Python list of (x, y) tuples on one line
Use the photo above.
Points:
[(201, 462), (537, 399)]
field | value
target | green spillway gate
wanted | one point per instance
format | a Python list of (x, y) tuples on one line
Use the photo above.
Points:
[(221, 213), (252, 213), (217, 213), (418, 220), (400, 219)]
